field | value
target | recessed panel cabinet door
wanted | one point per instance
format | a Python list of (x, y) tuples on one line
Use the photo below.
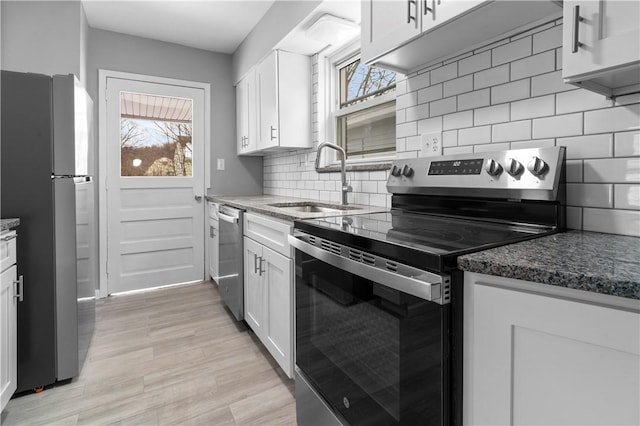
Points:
[(278, 306), (8, 336), (599, 35), (253, 287), (388, 24)]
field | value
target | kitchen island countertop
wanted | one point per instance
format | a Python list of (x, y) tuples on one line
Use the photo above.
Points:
[(6, 224), (590, 261), (261, 204)]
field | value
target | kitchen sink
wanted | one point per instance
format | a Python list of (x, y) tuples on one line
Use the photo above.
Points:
[(312, 207)]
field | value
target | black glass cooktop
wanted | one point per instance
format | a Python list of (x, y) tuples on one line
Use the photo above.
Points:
[(409, 236)]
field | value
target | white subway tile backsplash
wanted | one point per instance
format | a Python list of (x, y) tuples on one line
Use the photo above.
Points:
[(627, 197), (590, 195), (491, 77), (513, 91), (559, 59), (513, 131), (369, 186), (378, 175), (580, 100), (401, 116), (407, 129), (430, 125), (612, 221), (443, 106), (574, 170), (616, 119), (477, 99), (590, 146), (512, 51), (418, 82), (457, 120), (408, 100), (612, 170), (413, 143), (417, 112), (548, 39), (444, 73), (491, 147), (533, 65), (632, 98), (491, 115), (458, 150), (561, 125), (477, 62), (627, 144), (537, 143), (549, 83), (474, 135), (429, 94), (450, 138), (542, 106), (458, 85), (574, 217)]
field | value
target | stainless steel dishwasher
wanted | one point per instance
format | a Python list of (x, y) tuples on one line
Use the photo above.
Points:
[(230, 251)]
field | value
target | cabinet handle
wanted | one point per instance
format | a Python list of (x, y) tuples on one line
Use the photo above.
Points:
[(256, 266), (575, 43), (261, 271), (426, 9), (19, 288), (272, 130), (409, 16), (9, 238)]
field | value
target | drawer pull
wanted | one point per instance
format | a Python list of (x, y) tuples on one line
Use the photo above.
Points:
[(9, 237)]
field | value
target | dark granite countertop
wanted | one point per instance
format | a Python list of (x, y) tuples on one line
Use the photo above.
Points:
[(594, 262), (260, 204), (9, 223)]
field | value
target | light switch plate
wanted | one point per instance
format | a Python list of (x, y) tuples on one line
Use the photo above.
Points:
[(220, 164), (431, 144)]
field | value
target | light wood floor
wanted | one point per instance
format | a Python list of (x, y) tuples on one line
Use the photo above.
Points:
[(169, 356)]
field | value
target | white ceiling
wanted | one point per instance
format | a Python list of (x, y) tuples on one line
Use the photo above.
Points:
[(215, 25)]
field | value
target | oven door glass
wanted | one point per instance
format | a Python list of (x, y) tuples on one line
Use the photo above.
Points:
[(376, 355)]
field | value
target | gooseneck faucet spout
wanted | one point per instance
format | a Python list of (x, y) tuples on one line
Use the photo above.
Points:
[(346, 188)]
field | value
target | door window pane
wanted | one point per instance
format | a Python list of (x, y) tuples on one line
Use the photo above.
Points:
[(155, 135)]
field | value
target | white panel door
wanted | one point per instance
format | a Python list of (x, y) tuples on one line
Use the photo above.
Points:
[(155, 183), (8, 336), (254, 308)]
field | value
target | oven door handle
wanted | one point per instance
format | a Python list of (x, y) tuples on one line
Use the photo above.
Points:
[(427, 286)]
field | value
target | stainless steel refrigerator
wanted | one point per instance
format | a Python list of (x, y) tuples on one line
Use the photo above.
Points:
[(45, 181)]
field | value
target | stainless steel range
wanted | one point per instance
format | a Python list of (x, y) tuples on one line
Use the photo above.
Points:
[(379, 296)]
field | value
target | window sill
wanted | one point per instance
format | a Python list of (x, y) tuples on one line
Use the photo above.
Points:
[(367, 167)]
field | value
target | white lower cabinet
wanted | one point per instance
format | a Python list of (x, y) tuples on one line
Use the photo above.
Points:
[(8, 318), (268, 290), (535, 357)]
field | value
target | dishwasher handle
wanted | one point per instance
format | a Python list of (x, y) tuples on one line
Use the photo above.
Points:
[(227, 218)]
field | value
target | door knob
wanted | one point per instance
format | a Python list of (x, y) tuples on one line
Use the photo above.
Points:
[(198, 197)]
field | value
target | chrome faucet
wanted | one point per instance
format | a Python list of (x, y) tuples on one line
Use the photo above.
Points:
[(343, 168)]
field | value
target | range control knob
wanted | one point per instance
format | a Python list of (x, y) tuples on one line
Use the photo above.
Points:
[(395, 171), (514, 167), (493, 168), (537, 166), (407, 171)]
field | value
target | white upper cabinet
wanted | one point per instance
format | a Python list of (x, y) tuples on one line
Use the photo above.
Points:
[(284, 100), (246, 113), (601, 45), (405, 34)]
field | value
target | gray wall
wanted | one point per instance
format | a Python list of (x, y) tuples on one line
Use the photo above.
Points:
[(43, 37), (279, 20), (119, 52)]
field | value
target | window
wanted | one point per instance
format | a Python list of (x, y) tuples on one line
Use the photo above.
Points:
[(365, 110), (155, 135)]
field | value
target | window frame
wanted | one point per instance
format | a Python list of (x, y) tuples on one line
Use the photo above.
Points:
[(332, 65)]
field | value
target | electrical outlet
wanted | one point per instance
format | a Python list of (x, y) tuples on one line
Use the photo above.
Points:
[(220, 164), (431, 144)]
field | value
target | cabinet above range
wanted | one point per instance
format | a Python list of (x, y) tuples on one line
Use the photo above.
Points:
[(404, 35), (273, 102)]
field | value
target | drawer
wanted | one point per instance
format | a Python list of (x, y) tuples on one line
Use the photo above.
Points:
[(269, 232), (213, 210), (7, 249)]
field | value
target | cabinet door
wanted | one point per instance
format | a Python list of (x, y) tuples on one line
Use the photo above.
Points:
[(8, 336), (214, 257), (246, 113), (278, 305), (267, 77), (435, 12), (387, 24), (253, 287), (608, 33), (544, 360)]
